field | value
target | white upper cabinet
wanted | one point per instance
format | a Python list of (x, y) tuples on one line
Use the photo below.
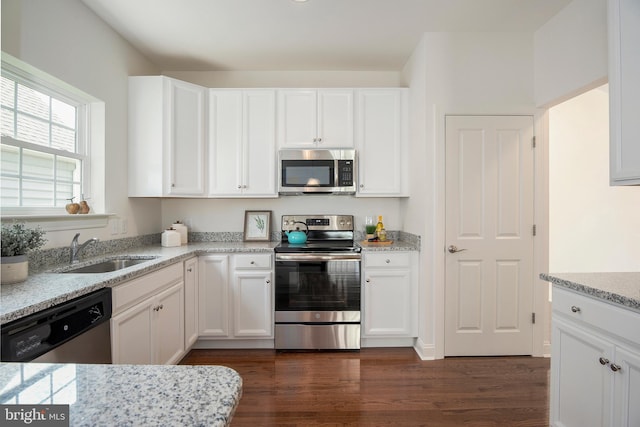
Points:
[(310, 118), (242, 151), (624, 91), (382, 142), (166, 137)]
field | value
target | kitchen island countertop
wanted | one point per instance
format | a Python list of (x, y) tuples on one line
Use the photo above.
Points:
[(617, 288), (120, 395)]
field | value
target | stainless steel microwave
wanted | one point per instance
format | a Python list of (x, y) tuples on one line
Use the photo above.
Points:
[(316, 171)]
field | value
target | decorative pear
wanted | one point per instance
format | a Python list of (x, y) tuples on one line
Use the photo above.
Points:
[(72, 208)]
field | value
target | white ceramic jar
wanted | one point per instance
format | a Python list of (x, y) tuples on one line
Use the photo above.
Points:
[(170, 238), (183, 230)]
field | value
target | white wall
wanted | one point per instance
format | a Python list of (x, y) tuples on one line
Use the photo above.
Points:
[(592, 226), (228, 214), (68, 41), (289, 79), (571, 52), (453, 73)]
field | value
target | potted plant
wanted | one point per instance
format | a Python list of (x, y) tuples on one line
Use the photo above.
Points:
[(17, 240)]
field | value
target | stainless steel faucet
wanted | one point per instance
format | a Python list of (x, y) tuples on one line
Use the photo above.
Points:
[(76, 248)]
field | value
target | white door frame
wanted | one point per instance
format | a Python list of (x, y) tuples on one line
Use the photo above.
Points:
[(541, 303)]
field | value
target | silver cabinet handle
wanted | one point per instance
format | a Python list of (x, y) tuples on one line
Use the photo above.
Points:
[(615, 367), (189, 269), (387, 261), (603, 361), (368, 280), (252, 262), (575, 309), (454, 249), (268, 281), (361, 185)]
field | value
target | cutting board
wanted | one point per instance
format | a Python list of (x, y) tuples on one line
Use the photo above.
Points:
[(368, 243)]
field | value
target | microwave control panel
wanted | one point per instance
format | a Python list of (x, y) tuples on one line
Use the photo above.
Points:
[(345, 173)]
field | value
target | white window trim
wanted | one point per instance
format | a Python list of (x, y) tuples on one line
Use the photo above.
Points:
[(89, 136)]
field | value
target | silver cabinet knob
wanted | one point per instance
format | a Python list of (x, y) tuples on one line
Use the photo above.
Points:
[(361, 185), (368, 280), (388, 261), (454, 249), (615, 367), (268, 281), (575, 309), (253, 262), (189, 269), (603, 361)]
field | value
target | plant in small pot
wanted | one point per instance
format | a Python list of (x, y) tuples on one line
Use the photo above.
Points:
[(17, 240)]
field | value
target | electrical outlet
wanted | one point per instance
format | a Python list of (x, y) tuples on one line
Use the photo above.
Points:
[(115, 225), (123, 226)]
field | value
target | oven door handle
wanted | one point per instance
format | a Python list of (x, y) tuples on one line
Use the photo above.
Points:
[(318, 257)]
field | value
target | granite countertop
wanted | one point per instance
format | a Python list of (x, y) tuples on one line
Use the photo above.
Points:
[(123, 395), (46, 289), (618, 288), (397, 245), (49, 288)]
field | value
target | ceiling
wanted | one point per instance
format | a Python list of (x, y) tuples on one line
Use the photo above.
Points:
[(320, 35)]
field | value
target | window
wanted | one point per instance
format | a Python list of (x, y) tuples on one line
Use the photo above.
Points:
[(44, 152)]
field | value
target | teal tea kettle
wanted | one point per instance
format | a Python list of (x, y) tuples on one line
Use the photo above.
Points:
[(297, 237)]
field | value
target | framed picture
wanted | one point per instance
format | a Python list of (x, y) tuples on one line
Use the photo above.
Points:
[(257, 226)]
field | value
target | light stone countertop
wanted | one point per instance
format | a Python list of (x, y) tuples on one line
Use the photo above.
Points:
[(127, 395), (618, 288), (44, 290)]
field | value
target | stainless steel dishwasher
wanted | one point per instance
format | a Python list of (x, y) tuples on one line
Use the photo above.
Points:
[(76, 331)]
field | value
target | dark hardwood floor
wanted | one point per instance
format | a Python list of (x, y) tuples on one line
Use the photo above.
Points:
[(384, 387)]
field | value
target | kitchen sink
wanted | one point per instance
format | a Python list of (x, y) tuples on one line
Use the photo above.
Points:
[(106, 266)]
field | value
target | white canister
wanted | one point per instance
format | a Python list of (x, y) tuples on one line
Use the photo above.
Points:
[(170, 238), (183, 230)]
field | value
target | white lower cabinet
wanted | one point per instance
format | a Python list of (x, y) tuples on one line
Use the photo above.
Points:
[(147, 326), (595, 363), (389, 295), (190, 302), (236, 296)]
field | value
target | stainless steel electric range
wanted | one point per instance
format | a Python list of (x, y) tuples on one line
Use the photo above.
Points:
[(317, 285)]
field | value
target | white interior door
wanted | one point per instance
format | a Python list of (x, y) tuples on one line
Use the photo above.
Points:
[(489, 239)]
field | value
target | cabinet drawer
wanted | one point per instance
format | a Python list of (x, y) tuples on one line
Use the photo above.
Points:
[(387, 259), (253, 261), (597, 313), (135, 290)]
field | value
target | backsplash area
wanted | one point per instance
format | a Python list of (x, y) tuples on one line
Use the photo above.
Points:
[(46, 259)]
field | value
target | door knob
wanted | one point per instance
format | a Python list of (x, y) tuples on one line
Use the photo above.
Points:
[(453, 249)]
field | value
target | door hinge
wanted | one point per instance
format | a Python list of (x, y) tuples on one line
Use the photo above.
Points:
[(533, 318), (534, 230), (533, 142)]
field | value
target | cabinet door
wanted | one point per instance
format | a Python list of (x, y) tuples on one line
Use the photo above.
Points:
[(190, 302), (381, 142), (388, 303), (627, 389), (185, 133), (169, 325), (259, 144), (213, 296), (253, 306), (581, 384), (335, 118), (132, 335), (624, 91), (297, 118), (225, 143)]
